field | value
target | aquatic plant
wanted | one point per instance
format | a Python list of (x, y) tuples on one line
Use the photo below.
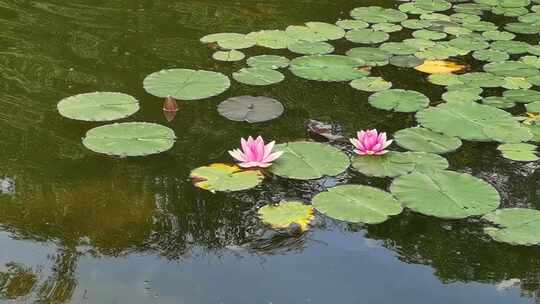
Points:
[(255, 154), (370, 142)]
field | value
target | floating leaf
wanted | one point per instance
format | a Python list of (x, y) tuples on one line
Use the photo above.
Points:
[(376, 14), (224, 177), (327, 30), (232, 55), (258, 76), (444, 79), (468, 44), (349, 24), (393, 164), (472, 121), (273, 62), (460, 96), (424, 140), (309, 160), (490, 55), (531, 60), (445, 194), (327, 68), (273, 39), (214, 38), (329, 131), (129, 139), (304, 33), (370, 56), (311, 48), (510, 46), (357, 204), (98, 106), (480, 26), (433, 5), (533, 107), (515, 226), (387, 27), (440, 66), (439, 51), (237, 43), (429, 35), (498, 35), (499, 102), (522, 96), (184, 84), (282, 215), (515, 83), (416, 24), (419, 44), (251, 109), (522, 28), (371, 84), (519, 152), (399, 100), (366, 36), (399, 48), (407, 61), (483, 80)]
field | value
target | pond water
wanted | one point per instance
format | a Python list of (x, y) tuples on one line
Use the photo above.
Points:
[(79, 227)]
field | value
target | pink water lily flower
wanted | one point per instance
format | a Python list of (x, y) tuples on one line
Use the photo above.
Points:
[(370, 142), (255, 153)]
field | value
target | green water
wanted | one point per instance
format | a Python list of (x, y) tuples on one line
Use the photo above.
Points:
[(78, 227)]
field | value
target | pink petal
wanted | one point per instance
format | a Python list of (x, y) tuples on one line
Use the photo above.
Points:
[(238, 155), (273, 156), (388, 143), (268, 149)]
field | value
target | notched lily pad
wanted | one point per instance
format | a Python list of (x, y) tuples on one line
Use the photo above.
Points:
[(371, 84), (282, 215), (399, 100), (251, 109), (224, 177), (515, 226), (98, 106), (228, 56), (258, 76), (519, 152), (424, 140), (327, 68), (393, 164), (273, 62)]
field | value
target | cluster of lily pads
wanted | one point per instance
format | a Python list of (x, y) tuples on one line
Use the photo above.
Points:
[(441, 31)]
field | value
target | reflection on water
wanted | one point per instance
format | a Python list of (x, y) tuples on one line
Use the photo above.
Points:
[(76, 227)]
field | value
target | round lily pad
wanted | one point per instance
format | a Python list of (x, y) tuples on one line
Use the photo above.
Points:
[(429, 35), (533, 107), (327, 68), (309, 160), (483, 80), (522, 28), (424, 140), (498, 35), (399, 100), (237, 43), (473, 121), (531, 60), (444, 79), (366, 36), (522, 96), (387, 27), (285, 213), (376, 14), (371, 84), (499, 102), (273, 62), (460, 96), (129, 139), (327, 30), (349, 24), (370, 56), (304, 33), (468, 44), (393, 164), (399, 48), (510, 46), (407, 61), (232, 55), (433, 5), (445, 194), (258, 76), (214, 38), (511, 69), (515, 83), (311, 48), (519, 152), (515, 226), (357, 204), (419, 44), (250, 108), (490, 55), (184, 84), (273, 39), (98, 106), (224, 177), (416, 24)]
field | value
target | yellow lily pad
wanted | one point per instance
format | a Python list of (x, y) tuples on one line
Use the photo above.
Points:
[(286, 213), (225, 177), (440, 67)]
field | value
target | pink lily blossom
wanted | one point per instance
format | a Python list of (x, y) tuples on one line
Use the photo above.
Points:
[(370, 142), (255, 153)]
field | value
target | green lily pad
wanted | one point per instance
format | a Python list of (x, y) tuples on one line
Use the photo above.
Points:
[(457, 31), (284, 214), (349, 24), (519, 152), (511, 69), (215, 38), (534, 80), (357, 204), (250, 108), (311, 48), (232, 55), (416, 24), (534, 49), (410, 8), (327, 68), (376, 14), (531, 60), (445, 194), (480, 26), (98, 106), (440, 51), (406, 61), (473, 121), (424, 140), (371, 84), (510, 46), (393, 164), (504, 3), (499, 102), (460, 96), (129, 139), (509, 11), (184, 84), (514, 83), (515, 226), (237, 43), (435, 17), (370, 56), (224, 177), (273, 62), (366, 36), (258, 76), (387, 27), (498, 35), (490, 55), (468, 44), (309, 160), (273, 39), (419, 44), (462, 18), (522, 28), (433, 5), (399, 48), (530, 18), (465, 87), (399, 100), (533, 107), (535, 130), (444, 79), (327, 30), (304, 33), (522, 96), (429, 35), (483, 80)]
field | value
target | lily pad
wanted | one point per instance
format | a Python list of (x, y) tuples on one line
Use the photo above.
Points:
[(129, 139), (498, 35), (406, 61), (468, 44), (445, 194), (510, 46), (184, 84), (515, 83), (311, 48), (519, 152), (444, 79), (377, 14), (433, 5), (473, 121), (522, 96), (490, 55), (349, 24), (416, 24), (399, 100), (522, 28), (483, 80), (258, 76), (533, 107), (98, 106), (371, 84), (499, 102), (327, 30), (393, 164), (357, 204), (273, 39), (327, 68), (251, 109), (515, 226), (399, 48), (242, 42), (460, 96), (214, 38), (282, 215), (366, 36), (370, 56), (429, 35), (224, 177), (273, 62), (440, 67), (387, 27), (232, 55), (424, 140), (304, 33), (309, 160)]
